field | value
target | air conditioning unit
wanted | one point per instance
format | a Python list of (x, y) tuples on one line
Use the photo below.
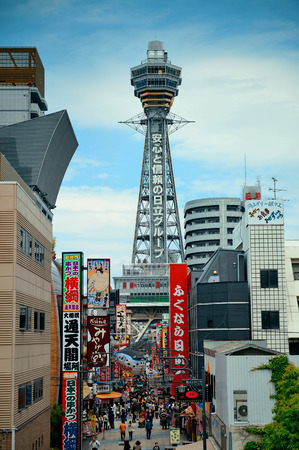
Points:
[(242, 411)]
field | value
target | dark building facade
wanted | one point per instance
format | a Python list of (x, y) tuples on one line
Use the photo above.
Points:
[(219, 306)]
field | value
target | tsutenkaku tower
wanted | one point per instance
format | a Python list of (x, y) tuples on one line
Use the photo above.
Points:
[(158, 237)]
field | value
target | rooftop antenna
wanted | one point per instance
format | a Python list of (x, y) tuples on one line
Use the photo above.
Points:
[(274, 189)]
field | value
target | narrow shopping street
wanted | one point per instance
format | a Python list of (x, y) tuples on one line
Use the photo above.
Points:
[(111, 438)]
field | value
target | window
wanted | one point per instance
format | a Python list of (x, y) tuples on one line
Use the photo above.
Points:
[(270, 320), (37, 389), (25, 318), (229, 242), (39, 253), (39, 320), (295, 267), (25, 243), (24, 396), (233, 219), (269, 278), (232, 208)]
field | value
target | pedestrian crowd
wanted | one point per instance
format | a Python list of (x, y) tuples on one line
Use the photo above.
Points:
[(134, 408)]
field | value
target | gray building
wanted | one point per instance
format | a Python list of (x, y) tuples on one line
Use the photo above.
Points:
[(209, 224), (219, 306)]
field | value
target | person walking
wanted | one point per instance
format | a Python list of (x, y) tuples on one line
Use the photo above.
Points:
[(156, 446), (94, 443), (111, 418), (106, 420), (100, 423), (127, 445), (150, 415), (123, 414), (122, 428), (131, 431), (137, 445), (148, 427), (163, 418), (133, 409)]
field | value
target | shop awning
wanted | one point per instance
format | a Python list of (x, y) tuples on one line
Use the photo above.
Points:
[(86, 389), (112, 394)]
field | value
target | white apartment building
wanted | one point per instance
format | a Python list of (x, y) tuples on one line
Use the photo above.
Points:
[(209, 224)]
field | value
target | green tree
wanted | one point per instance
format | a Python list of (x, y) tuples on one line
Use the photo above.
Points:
[(282, 433), (56, 424)]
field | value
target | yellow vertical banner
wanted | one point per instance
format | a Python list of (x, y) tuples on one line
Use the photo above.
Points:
[(174, 436)]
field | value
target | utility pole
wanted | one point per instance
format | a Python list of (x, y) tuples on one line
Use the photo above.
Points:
[(204, 428)]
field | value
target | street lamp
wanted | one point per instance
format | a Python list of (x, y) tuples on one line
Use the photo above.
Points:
[(181, 388), (169, 377)]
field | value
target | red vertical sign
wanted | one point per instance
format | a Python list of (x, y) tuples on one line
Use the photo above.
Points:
[(179, 338), (98, 344)]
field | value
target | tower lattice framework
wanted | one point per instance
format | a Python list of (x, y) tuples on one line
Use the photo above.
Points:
[(157, 237)]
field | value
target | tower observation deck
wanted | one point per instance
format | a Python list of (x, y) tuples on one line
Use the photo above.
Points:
[(158, 237)]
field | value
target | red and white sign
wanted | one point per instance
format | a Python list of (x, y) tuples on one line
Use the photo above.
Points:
[(179, 338)]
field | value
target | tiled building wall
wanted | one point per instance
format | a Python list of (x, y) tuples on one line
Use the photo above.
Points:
[(267, 252)]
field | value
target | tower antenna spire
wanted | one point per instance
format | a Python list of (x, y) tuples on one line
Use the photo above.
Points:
[(274, 189)]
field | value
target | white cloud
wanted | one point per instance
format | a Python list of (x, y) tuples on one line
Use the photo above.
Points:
[(98, 220)]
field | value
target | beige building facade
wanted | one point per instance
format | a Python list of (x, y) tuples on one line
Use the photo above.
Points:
[(25, 319)]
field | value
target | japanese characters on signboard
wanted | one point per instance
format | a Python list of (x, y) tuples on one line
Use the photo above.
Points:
[(71, 341), (121, 324), (98, 339), (71, 345), (70, 406), (115, 365), (71, 316), (179, 339), (263, 212), (159, 335), (103, 373), (252, 192), (98, 283), (71, 281), (157, 168)]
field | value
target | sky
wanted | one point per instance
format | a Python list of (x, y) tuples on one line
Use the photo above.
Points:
[(240, 86)]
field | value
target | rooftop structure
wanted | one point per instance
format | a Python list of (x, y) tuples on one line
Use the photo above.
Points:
[(22, 85)]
